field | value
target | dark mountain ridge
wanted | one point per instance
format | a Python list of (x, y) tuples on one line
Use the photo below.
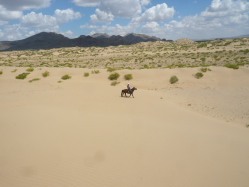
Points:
[(50, 40)]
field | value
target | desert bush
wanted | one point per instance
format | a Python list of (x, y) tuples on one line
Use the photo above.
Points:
[(113, 76), (233, 66), (114, 83), (199, 75), (205, 69), (35, 79), (86, 74), (13, 71), (1, 72), (95, 71), (30, 69), (109, 69), (128, 77), (45, 74), (22, 76), (65, 77), (173, 79)]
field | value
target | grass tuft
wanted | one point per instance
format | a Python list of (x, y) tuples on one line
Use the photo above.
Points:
[(113, 76), (173, 79), (22, 76), (30, 69), (65, 77), (1, 72), (128, 77), (114, 83), (233, 66), (35, 79), (199, 75), (86, 74), (45, 74)]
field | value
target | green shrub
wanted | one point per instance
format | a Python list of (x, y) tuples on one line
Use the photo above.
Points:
[(113, 76), (114, 83), (111, 69), (1, 72), (198, 75), (35, 79), (22, 76), (45, 74), (173, 79), (128, 77), (86, 74), (233, 66), (95, 71), (205, 69), (65, 77), (30, 69)]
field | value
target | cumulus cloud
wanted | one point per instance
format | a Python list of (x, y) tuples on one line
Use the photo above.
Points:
[(39, 20), (24, 4), (119, 8), (101, 16), (221, 19), (87, 3), (6, 14), (63, 16), (122, 8), (45, 22), (159, 12), (151, 27)]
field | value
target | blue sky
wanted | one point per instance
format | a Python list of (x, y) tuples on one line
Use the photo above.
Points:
[(169, 19)]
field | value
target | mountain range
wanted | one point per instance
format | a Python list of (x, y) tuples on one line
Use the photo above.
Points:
[(50, 40)]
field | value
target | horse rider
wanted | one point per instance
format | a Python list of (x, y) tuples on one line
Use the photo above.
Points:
[(129, 88)]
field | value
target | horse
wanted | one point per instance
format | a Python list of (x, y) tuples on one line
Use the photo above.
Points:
[(126, 91)]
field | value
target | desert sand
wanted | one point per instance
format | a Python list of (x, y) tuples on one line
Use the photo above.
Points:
[(80, 132)]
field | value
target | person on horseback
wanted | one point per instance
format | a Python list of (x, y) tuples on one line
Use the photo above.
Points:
[(129, 88)]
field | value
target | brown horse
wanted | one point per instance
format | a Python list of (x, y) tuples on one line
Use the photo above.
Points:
[(126, 91)]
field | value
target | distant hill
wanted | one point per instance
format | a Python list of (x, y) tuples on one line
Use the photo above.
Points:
[(50, 40)]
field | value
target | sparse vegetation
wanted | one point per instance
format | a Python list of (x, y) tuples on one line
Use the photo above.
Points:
[(247, 125), (22, 76), (65, 77), (95, 72), (86, 74), (173, 79), (35, 79), (45, 74), (114, 83), (205, 69), (30, 69), (1, 72), (13, 71), (128, 77), (114, 76), (199, 75), (233, 66)]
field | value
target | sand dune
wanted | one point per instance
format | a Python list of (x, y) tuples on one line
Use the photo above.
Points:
[(80, 132)]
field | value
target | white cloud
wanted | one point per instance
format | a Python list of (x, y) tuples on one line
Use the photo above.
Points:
[(6, 15), (24, 4), (41, 21), (101, 16), (63, 16), (122, 8), (48, 22), (87, 3), (151, 27), (159, 12), (222, 19)]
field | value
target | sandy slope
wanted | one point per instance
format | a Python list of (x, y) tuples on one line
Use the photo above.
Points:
[(82, 133)]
